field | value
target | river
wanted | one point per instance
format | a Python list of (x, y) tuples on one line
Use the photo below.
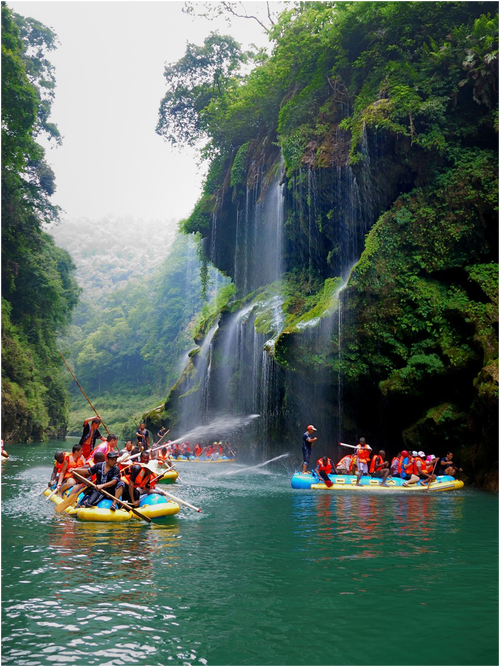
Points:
[(265, 575)]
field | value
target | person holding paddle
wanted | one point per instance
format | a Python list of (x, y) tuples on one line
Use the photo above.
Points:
[(90, 434), (59, 458), (307, 444), (107, 476), (323, 469), (71, 461), (363, 454)]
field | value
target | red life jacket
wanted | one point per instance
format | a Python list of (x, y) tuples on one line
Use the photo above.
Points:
[(363, 454), (376, 463), (326, 467), (197, 450)]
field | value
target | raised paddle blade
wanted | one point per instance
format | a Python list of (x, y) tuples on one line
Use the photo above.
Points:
[(67, 502)]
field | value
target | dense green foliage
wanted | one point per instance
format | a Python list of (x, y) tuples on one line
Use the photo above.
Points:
[(395, 105), (38, 287)]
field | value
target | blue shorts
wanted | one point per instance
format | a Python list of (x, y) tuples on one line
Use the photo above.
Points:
[(306, 452)]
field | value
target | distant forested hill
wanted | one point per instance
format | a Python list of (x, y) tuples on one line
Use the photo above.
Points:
[(111, 250)]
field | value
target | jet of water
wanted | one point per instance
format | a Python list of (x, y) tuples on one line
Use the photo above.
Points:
[(221, 426), (235, 472)]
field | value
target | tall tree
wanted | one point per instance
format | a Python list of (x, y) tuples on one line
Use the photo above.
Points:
[(38, 287)]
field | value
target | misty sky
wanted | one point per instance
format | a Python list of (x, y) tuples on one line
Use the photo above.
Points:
[(109, 70)]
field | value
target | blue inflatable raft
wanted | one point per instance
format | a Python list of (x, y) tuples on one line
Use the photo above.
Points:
[(348, 482)]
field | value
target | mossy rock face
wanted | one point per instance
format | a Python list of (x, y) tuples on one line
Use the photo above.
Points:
[(443, 426)]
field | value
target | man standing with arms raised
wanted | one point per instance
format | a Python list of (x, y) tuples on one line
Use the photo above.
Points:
[(307, 443)]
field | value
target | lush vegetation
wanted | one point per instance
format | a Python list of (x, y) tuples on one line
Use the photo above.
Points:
[(126, 348), (38, 287), (397, 104)]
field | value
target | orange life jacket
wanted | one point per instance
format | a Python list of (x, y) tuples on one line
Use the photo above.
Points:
[(58, 466), (376, 463), (363, 454), (142, 480), (72, 464), (410, 467), (197, 450), (326, 467)]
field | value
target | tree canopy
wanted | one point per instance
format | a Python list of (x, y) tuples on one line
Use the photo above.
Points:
[(38, 287)]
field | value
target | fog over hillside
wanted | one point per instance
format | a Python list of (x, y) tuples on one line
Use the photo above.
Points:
[(109, 251)]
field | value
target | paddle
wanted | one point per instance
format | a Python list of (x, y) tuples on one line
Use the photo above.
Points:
[(69, 500), (182, 502), (325, 479), (80, 387), (51, 494), (343, 444), (433, 471), (153, 449), (121, 502)]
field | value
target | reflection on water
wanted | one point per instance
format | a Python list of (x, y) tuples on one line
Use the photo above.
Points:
[(234, 584)]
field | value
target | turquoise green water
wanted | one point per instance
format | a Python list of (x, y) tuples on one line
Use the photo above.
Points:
[(264, 576)]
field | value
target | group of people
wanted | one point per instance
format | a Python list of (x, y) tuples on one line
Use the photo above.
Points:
[(413, 467), (124, 474), (118, 473)]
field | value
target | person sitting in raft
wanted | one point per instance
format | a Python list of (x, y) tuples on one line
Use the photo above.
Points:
[(324, 467), (137, 481), (71, 461), (417, 469), (425, 468), (446, 465), (344, 465), (90, 435), (307, 445), (187, 450), (97, 458), (58, 464), (126, 452), (379, 467), (395, 465), (164, 458), (363, 453), (197, 450), (408, 468), (107, 476), (108, 445)]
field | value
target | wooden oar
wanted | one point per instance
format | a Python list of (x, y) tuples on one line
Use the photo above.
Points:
[(182, 502), (433, 470), (80, 387), (69, 500), (121, 502), (51, 494)]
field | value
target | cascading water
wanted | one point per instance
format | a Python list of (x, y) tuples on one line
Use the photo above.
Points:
[(237, 370)]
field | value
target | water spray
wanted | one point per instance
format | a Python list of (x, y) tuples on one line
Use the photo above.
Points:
[(235, 472)]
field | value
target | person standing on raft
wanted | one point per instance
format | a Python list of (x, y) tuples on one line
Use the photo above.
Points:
[(363, 453), (307, 443), (90, 434)]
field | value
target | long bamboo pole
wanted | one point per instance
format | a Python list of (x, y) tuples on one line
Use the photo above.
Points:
[(80, 387)]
